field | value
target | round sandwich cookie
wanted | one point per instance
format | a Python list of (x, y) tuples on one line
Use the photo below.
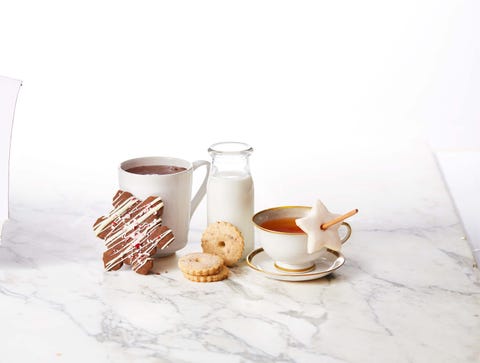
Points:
[(221, 275), (225, 240), (200, 264)]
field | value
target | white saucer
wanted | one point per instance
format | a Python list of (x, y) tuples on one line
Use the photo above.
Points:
[(324, 265)]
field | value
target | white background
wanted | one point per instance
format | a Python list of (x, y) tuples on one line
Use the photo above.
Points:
[(313, 86)]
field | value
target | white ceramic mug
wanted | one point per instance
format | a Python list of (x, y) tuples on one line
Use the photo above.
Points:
[(288, 250), (175, 190)]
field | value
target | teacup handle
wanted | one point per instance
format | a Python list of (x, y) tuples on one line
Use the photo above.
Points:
[(203, 188), (349, 232)]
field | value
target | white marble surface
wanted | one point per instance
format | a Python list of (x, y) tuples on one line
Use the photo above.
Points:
[(461, 171), (408, 291)]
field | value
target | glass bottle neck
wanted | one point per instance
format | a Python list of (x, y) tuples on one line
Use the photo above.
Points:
[(232, 164), (230, 159)]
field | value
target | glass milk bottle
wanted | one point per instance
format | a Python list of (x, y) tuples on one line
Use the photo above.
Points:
[(230, 189)]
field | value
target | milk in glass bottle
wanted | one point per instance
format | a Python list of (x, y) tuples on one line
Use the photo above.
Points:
[(230, 189)]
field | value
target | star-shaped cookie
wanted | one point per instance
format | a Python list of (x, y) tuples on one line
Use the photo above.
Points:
[(317, 238)]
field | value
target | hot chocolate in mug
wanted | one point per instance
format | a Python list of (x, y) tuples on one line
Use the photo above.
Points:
[(171, 179)]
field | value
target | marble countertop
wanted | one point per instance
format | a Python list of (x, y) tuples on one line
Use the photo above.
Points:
[(408, 292)]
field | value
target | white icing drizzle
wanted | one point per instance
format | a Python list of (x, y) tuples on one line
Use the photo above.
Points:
[(138, 256), (141, 258), (145, 212), (132, 234), (116, 213)]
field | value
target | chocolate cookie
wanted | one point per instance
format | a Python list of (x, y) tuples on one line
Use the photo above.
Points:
[(122, 203), (133, 232)]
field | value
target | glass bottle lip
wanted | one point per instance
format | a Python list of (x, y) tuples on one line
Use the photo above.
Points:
[(230, 148)]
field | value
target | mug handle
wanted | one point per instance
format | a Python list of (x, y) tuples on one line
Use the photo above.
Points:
[(349, 232), (203, 188)]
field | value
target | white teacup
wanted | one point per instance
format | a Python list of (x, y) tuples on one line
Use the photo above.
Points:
[(288, 249), (174, 187)]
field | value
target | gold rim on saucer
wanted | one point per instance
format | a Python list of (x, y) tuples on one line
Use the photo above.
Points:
[(252, 254), (306, 269)]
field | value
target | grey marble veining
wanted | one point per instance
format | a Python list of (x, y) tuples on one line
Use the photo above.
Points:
[(408, 292)]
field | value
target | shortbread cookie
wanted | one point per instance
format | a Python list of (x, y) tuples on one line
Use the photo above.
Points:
[(221, 275), (225, 240), (200, 264)]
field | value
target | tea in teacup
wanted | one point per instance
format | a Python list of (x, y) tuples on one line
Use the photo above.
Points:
[(284, 241), (286, 225)]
